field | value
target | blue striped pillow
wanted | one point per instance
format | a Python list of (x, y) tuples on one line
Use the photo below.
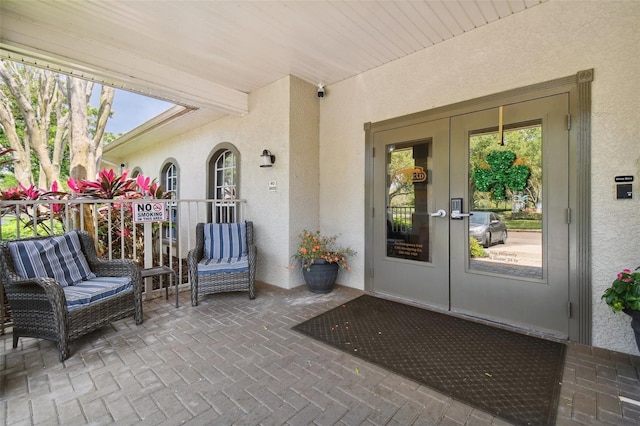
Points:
[(58, 257), (225, 240)]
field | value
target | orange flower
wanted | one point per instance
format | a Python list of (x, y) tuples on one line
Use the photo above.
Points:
[(315, 247)]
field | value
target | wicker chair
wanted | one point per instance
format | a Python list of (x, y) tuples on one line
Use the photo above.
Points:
[(39, 305), (224, 281)]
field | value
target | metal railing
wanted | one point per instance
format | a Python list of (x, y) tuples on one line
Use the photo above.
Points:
[(115, 230), (401, 218)]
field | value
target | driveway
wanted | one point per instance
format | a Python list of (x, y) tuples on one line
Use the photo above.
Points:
[(523, 248)]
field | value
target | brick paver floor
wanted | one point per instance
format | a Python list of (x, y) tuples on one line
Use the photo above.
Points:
[(232, 360)]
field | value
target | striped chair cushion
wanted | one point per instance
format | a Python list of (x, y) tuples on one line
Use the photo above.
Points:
[(225, 240), (59, 257), (217, 266), (98, 288)]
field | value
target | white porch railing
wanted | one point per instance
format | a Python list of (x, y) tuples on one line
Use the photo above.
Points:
[(117, 236)]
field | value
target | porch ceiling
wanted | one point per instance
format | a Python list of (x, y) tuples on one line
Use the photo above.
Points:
[(211, 54)]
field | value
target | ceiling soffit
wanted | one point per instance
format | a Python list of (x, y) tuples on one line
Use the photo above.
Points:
[(211, 54)]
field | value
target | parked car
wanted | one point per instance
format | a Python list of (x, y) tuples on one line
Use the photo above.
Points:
[(487, 228)]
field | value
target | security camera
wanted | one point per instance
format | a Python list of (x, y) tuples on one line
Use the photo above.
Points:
[(321, 90)]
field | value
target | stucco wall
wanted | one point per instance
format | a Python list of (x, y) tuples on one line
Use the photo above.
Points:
[(304, 173), (552, 40), (265, 127)]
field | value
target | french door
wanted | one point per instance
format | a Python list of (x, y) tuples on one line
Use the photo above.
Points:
[(471, 213)]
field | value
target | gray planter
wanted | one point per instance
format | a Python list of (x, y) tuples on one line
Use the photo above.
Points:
[(635, 324), (321, 276)]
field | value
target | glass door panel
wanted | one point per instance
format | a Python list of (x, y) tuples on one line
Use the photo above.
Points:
[(408, 201), (505, 192)]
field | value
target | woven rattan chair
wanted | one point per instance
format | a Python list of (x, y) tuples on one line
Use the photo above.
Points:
[(224, 281), (39, 305)]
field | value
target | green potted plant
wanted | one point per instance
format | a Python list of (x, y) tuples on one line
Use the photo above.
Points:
[(321, 260), (624, 295)]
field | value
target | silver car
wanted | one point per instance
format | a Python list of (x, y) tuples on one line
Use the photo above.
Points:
[(487, 228)]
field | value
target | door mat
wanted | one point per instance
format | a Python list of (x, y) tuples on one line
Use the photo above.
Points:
[(509, 375)]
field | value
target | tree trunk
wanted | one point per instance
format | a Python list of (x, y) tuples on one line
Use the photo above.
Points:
[(34, 93), (79, 142), (79, 136)]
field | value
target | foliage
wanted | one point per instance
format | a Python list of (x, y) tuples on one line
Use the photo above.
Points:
[(108, 186), (12, 229), (475, 249), (523, 224), (501, 174), (8, 181), (624, 292), (314, 247), (401, 189), (3, 152), (523, 215), (526, 143), (36, 123), (39, 215), (111, 218)]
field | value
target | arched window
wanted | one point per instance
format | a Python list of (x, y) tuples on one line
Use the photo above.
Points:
[(169, 176), (226, 176), (224, 182), (135, 172)]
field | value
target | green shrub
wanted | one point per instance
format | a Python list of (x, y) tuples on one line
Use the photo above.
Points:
[(475, 249), (523, 215)]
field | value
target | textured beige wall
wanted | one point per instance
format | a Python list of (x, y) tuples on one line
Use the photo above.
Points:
[(320, 162), (552, 40), (265, 127), (304, 172)]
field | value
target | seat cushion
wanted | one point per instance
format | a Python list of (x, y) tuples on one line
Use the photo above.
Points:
[(225, 240), (86, 292), (59, 257), (217, 266)]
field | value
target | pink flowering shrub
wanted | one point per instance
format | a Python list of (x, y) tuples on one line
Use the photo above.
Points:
[(114, 220), (624, 293)]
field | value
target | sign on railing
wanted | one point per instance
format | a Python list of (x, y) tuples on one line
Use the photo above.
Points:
[(149, 212)]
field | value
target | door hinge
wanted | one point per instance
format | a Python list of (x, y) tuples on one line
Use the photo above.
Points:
[(568, 215), (373, 212), (373, 152), (568, 309), (568, 121)]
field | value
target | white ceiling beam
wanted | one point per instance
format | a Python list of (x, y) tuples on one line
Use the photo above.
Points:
[(118, 68)]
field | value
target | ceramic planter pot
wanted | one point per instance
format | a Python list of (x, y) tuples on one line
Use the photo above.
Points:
[(635, 324), (321, 276)]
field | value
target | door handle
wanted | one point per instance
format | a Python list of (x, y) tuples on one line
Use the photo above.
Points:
[(455, 214), (439, 213)]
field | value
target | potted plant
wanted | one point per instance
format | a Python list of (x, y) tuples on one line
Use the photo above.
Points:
[(321, 260), (624, 295)]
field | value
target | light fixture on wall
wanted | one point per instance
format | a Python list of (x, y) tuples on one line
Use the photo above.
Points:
[(267, 158)]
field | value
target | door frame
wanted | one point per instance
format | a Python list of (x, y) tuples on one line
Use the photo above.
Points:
[(578, 87)]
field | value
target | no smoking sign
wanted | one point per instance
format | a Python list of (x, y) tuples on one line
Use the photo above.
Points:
[(149, 212)]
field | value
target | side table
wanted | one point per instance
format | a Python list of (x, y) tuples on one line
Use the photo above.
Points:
[(162, 270)]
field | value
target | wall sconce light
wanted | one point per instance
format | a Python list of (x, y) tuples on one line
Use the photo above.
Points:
[(267, 158)]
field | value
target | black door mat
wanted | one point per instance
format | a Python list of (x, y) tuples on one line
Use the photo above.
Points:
[(509, 375)]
